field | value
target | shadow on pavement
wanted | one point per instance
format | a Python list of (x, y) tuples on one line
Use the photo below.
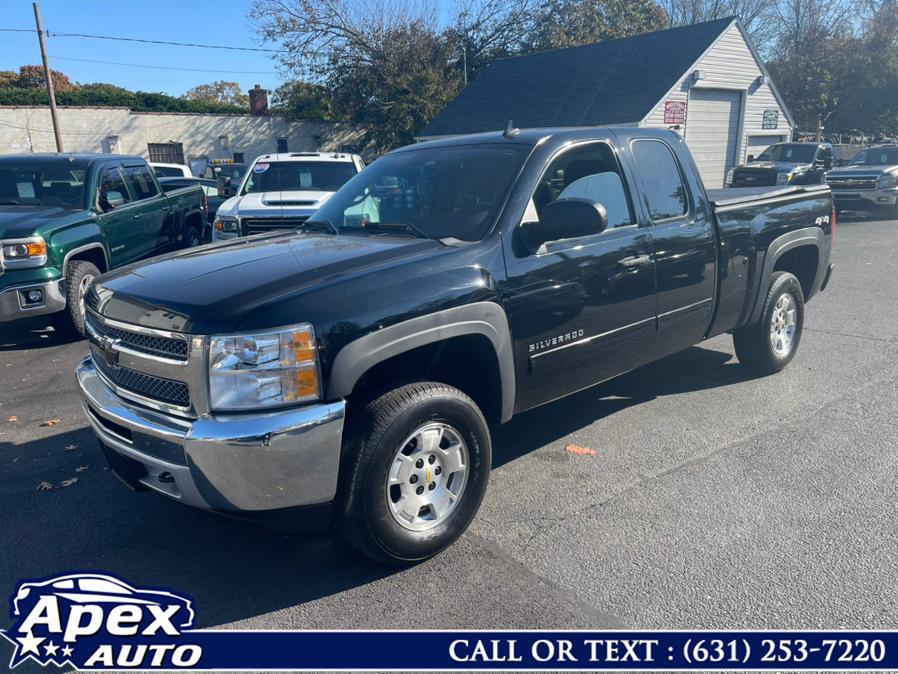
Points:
[(30, 333), (237, 570)]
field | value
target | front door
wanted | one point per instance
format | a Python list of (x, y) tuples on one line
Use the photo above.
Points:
[(119, 218), (581, 310)]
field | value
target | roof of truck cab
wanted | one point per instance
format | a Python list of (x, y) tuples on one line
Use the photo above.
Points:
[(306, 156), (43, 157)]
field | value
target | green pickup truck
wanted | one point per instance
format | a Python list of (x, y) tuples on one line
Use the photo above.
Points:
[(67, 218)]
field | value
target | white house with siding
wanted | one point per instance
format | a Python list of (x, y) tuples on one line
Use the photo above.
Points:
[(705, 81)]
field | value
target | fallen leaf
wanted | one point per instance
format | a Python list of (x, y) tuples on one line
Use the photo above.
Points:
[(580, 451), (52, 422), (12, 418), (44, 486), (69, 482), (81, 469), (69, 448)]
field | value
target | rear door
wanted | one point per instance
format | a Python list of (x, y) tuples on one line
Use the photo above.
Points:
[(685, 244), (583, 309), (118, 217), (712, 132), (154, 208)]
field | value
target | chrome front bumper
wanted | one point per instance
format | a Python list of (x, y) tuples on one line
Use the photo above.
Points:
[(236, 463), (13, 306)]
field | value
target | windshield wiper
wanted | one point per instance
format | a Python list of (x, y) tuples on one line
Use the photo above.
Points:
[(319, 224), (401, 226)]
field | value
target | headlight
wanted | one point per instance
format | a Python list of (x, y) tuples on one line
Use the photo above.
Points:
[(226, 225), (887, 180), (18, 253), (783, 178), (729, 179), (267, 369)]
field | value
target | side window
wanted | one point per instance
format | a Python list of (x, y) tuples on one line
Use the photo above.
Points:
[(662, 183), (141, 182), (112, 192), (587, 172)]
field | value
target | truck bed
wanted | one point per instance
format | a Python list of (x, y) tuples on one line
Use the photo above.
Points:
[(737, 196)]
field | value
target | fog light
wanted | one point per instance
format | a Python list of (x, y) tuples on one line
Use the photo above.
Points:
[(33, 296)]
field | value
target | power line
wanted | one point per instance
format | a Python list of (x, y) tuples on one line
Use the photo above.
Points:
[(145, 41), (154, 67)]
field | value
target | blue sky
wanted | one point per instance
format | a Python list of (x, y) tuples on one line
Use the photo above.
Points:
[(222, 22)]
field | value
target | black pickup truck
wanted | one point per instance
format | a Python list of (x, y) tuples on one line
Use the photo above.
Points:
[(349, 371)]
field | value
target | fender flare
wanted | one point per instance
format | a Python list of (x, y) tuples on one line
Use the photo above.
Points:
[(805, 236), (480, 318), (80, 249)]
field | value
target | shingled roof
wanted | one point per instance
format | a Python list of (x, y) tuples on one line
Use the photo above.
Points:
[(612, 82)]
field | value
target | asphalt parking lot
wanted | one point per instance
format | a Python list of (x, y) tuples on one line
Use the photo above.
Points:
[(714, 499)]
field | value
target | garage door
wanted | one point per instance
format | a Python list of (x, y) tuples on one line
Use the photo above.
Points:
[(755, 145), (712, 131)]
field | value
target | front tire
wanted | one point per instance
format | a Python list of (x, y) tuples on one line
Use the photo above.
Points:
[(417, 466), (192, 238), (769, 346), (79, 276)]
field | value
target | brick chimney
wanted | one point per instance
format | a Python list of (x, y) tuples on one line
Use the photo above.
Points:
[(258, 101)]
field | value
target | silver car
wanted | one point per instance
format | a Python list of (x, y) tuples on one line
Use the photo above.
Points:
[(869, 182)]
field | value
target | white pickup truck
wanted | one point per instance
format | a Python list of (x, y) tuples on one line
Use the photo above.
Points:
[(280, 191)]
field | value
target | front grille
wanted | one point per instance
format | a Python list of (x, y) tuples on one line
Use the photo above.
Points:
[(155, 388), (748, 178), (253, 225), (149, 344), (852, 182)]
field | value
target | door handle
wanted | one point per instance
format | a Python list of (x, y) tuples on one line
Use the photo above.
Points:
[(137, 216), (633, 262), (166, 208)]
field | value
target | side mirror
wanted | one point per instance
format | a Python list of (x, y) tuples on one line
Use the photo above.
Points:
[(750, 159), (827, 164), (112, 201), (566, 219)]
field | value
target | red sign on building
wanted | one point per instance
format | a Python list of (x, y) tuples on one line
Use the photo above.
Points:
[(674, 112)]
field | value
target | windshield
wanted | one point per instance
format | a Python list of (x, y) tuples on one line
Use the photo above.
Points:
[(796, 152), (441, 192), (51, 184), (876, 156), (290, 176)]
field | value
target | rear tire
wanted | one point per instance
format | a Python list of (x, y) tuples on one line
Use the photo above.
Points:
[(78, 278), (192, 238), (416, 468), (769, 345)]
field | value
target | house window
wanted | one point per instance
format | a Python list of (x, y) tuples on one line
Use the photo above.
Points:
[(238, 157), (166, 153), (282, 145)]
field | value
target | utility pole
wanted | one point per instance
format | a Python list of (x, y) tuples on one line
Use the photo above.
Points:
[(49, 76)]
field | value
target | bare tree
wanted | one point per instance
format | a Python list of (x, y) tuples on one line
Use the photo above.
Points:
[(487, 29), (758, 16)]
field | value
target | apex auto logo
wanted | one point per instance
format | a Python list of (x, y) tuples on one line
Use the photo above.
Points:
[(97, 621)]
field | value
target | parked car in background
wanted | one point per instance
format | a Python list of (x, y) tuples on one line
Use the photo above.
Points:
[(869, 182), (352, 368), (281, 191), (227, 174), (785, 164), (170, 170), (210, 189), (67, 218)]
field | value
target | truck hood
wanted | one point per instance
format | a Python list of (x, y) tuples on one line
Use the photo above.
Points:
[(777, 166), (17, 222), (275, 203), (208, 290), (863, 170)]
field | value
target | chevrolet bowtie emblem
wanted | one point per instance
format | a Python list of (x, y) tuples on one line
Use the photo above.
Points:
[(110, 353)]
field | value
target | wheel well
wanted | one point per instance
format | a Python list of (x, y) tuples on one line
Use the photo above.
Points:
[(468, 363), (92, 255), (194, 220), (801, 262)]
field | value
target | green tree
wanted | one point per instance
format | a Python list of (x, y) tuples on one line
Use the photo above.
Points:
[(304, 100), (8, 78), (220, 91), (570, 23)]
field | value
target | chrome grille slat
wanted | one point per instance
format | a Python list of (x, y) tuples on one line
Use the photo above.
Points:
[(150, 344), (253, 225)]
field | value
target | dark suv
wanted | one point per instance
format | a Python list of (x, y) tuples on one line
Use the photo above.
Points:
[(784, 164)]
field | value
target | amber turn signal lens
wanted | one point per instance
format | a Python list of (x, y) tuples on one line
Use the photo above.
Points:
[(303, 346), (306, 383), (37, 248)]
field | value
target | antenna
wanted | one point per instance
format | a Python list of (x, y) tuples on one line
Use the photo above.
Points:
[(510, 130)]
